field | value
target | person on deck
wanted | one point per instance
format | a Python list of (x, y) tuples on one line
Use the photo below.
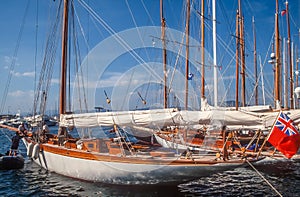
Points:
[(61, 135), (225, 146), (15, 144), (44, 132), (22, 129), (45, 128)]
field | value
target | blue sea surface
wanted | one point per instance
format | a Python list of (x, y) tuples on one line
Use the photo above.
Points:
[(32, 180)]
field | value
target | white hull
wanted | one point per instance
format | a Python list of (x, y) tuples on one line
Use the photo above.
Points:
[(125, 172)]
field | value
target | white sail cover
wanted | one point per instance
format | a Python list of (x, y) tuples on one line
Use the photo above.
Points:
[(171, 116), (125, 118)]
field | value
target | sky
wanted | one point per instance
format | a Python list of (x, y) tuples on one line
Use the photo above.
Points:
[(25, 28)]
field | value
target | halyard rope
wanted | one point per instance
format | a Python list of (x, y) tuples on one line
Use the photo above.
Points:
[(264, 178)]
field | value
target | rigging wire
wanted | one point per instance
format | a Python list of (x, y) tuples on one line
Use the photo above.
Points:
[(147, 89), (14, 58), (231, 21), (120, 40), (176, 62), (231, 53), (223, 44), (277, 192), (136, 26), (147, 12), (139, 34), (78, 60), (270, 94), (181, 44), (35, 53), (47, 66), (127, 90)]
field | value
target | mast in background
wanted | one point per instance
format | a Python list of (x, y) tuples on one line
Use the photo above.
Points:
[(255, 63), (187, 33), (202, 52), (215, 53), (242, 55), (289, 55), (237, 62), (277, 60), (163, 26), (240, 58), (285, 75)]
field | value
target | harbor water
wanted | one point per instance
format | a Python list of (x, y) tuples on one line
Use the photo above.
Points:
[(283, 175)]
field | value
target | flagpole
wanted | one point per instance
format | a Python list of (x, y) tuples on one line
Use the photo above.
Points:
[(266, 139)]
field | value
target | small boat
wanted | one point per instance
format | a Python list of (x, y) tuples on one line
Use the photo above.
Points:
[(8, 162), (34, 121)]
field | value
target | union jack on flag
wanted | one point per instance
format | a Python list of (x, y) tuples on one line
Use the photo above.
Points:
[(285, 124)]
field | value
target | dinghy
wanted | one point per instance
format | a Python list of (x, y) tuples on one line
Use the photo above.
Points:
[(8, 162)]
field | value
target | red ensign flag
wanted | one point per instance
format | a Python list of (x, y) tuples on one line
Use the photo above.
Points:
[(285, 136)]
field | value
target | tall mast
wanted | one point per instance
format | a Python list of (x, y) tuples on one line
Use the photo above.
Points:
[(187, 33), (255, 63), (215, 53), (277, 58), (285, 75), (242, 55), (202, 51), (289, 58), (163, 25), (62, 106), (237, 64)]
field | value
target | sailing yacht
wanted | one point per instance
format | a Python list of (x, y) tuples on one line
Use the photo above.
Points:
[(117, 158)]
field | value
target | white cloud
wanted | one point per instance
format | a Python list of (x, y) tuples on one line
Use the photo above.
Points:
[(104, 82), (7, 59), (28, 74), (111, 80), (25, 74), (19, 101), (122, 79), (20, 93), (55, 81)]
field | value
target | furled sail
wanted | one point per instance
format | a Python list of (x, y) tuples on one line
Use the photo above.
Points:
[(157, 118), (123, 118)]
